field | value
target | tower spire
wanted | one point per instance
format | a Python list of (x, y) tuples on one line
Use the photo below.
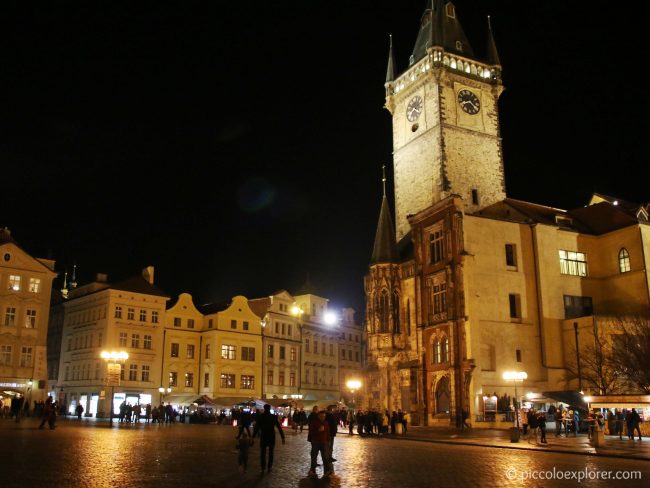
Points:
[(385, 247), (73, 281), (390, 70), (492, 53), (64, 289)]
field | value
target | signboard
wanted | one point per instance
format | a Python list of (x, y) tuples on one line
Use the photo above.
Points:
[(490, 404), (113, 378)]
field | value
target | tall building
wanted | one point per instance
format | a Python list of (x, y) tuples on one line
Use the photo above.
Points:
[(25, 289), (469, 284), (126, 316)]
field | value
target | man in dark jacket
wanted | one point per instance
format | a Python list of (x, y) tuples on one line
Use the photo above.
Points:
[(265, 425), (332, 421)]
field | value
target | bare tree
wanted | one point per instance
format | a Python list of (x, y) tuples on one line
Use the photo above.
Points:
[(597, 369), (631, 350)]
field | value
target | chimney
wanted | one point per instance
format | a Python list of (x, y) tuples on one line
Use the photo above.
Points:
[(147, 274), (101, 278)]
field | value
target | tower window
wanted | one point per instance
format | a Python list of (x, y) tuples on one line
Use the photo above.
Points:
[(474, 196), (436, 246), (511, 255), (451, 11), (459, 46), (515, 306), (623, 261)]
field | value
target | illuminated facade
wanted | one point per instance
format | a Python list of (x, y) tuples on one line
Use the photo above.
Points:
[(25, 289), (469, 284), (125, 316)]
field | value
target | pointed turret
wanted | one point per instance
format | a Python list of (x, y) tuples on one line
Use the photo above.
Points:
[(492, 53), (73, 281), (64, 288), (390, 70), (440, 27), (385, 248)]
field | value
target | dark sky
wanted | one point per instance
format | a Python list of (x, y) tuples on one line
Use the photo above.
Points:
[(238, 149)]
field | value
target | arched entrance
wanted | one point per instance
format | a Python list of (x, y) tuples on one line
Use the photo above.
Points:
[(442, 396)]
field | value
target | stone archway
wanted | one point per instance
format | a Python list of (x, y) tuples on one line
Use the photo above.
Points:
[(442, 395)]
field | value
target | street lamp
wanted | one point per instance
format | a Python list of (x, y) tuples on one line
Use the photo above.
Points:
[(515, 376), (353, 386), (114, 360), (164, 391)]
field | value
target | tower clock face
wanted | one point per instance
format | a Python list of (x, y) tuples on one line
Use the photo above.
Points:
[(469, 102), (414, 108)]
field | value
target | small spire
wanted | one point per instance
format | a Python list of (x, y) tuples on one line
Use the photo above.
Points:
[(390, 70), (73, 281), (64, 289), (492, 53), (383, 177)]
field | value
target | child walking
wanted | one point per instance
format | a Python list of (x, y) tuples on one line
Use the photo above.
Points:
[(243, 444)]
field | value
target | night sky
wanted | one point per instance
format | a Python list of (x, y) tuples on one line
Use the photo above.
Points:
[(238, 149)]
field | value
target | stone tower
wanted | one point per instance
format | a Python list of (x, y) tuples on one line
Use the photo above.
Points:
[(445, 119)]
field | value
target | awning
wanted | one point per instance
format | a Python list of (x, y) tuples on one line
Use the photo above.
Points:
[(284, 402), (181, 399), (618, 401), (571, 398)]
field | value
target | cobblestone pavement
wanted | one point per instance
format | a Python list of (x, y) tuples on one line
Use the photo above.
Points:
[(91, 454), (613, 447)]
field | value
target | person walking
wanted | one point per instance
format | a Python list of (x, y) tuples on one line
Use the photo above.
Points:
[(559, 420), (525, 416), (619, 422), (405, 421), (265, 425), (532, 425), (351, 421), (635, 421), (79, 411), (319, 437), (541, 422), (243, 444)]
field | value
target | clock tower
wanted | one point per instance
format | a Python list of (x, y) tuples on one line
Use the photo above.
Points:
[(444, 106)]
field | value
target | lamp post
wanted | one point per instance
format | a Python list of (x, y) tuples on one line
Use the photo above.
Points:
[(353, 386), (114, 360), (30, 384), (515, 376)]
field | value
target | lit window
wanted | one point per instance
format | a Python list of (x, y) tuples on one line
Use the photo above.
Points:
[(189, 379), (34, 285), (173, 378), (14, 282), (30, 319), (269, 351), (175, 349), (247, 382), (436, 352), (459, 47), (145, 372), (573, 263), (440, 298), (206, 380), (444, 350), (293, 354), (623, 261), (451, 12), (228, 352)]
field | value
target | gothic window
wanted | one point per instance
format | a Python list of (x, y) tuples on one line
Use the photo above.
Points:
[(623, 260), (436, 352), (459, 46), (396, 316), (383, 312), (442, 396), (444, 350), (440, 298), (451, 11), (408, 317), (436, 246)]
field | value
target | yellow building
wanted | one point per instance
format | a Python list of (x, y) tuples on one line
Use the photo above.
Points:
[(126, 316), (25, 289), (470, 284), (234, 339)]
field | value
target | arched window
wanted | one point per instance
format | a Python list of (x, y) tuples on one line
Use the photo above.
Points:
[(408, 316), (624, 260), (444, 350), (442, 396), (383, 312), (436, 352), (396, 315)]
